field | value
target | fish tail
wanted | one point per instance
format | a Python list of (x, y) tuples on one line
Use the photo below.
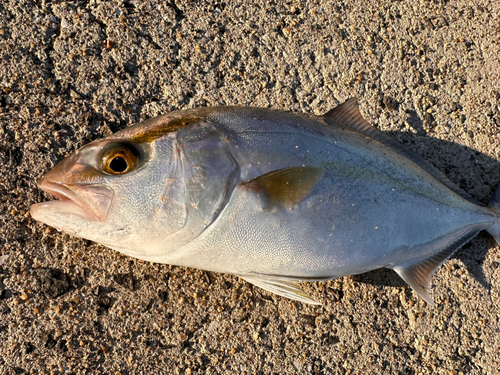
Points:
[(494, 205)]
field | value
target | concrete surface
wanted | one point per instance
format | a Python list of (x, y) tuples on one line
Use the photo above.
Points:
[(426, 72)]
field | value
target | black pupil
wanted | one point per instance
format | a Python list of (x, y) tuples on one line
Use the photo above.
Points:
[(118, 164)]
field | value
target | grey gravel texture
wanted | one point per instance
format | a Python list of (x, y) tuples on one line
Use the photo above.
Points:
[(425, 72)]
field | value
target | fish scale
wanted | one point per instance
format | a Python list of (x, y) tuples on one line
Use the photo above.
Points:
[(273, 197)]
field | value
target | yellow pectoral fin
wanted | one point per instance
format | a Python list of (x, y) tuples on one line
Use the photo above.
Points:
[(286, 187)]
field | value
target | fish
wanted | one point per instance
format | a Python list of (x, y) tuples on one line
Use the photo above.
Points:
[(271, 196)]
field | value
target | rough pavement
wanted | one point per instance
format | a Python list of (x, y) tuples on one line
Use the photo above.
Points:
[(425, 72)]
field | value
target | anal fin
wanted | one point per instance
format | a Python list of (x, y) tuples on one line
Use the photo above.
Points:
[(288, 288), (418, 274)]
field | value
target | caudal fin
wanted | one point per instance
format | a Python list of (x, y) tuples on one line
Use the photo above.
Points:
[(494, 205)]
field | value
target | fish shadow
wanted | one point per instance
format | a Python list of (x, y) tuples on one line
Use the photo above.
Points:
[(474, 172)]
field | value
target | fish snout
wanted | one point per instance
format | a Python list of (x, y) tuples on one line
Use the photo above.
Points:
[(89, 200)]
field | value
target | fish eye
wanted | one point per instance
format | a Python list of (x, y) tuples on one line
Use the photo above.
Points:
[(118, 164), (119, 158)]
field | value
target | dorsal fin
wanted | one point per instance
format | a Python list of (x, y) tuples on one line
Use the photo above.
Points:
[(348, 115), (285, 187)]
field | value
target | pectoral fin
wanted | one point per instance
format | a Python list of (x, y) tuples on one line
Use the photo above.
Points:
[(283, 287), (285, 187)]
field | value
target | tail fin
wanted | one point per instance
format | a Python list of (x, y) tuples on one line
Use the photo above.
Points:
[(494, 205)]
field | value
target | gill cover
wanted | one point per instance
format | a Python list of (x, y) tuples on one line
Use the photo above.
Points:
[(210, 175)]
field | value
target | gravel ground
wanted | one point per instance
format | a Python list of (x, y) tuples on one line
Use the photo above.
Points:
[(425, 72)]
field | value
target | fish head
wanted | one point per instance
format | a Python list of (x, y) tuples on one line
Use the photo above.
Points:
[(119, 192)]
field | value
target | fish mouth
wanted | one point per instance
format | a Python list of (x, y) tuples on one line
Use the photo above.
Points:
[(88, 201)]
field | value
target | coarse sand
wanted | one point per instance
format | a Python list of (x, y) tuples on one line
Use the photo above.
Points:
[(425, 72)]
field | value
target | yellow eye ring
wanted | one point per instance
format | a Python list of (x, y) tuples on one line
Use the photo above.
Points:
[(119, 159)]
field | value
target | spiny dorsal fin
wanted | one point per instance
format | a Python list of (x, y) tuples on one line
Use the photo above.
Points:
[(285, 187), (418, 274), (347, 114), (283, 287)]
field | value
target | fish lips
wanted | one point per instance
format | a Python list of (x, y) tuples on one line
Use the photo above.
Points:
[(89, 201)]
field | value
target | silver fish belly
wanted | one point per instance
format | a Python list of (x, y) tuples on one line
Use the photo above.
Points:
[(273, 197)]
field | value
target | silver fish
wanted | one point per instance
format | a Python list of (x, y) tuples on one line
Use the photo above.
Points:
[(273, 197)]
